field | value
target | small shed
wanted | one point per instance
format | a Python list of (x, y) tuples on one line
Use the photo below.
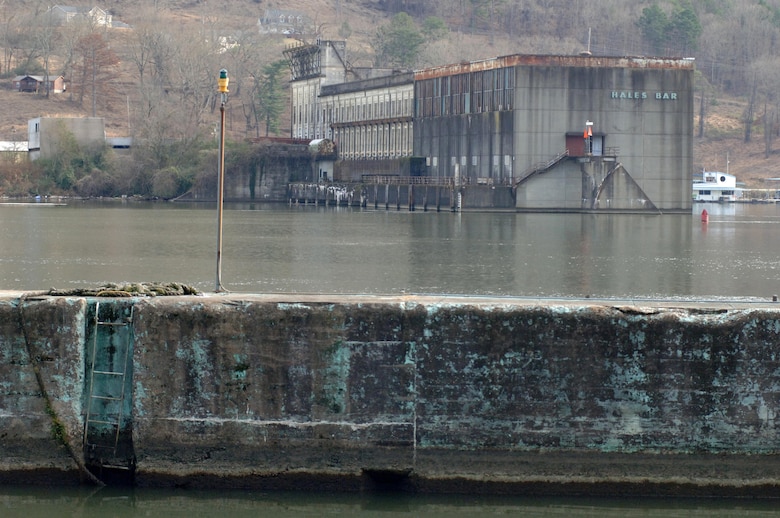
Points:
[(36, 84)]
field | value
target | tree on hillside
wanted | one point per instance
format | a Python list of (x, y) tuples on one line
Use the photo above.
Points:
[(749, 116), (94, 68), (767, 76), (417, 8), (193, 78), (398, 43), (485, 14), (10, 33), (684, 30), (27, 52), (653, 24), (271, 101), (434, 28), (45, 38), (707, 95), (345, 31), (143, 47), (678, 33), (69, 36)]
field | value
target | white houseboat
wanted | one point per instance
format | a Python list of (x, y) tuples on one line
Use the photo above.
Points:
[(716, 186)]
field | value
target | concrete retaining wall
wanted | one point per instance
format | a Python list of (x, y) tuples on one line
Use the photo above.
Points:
[(427, 394)]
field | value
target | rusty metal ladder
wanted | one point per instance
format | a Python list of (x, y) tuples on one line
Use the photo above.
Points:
[(108, 369)]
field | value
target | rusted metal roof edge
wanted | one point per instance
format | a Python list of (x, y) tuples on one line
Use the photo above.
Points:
[(556, 61)]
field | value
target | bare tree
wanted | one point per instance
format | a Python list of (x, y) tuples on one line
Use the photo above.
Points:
[(94, 69), (140, 49), (766, 74), (45, 37), (9, 34), (749, 116)]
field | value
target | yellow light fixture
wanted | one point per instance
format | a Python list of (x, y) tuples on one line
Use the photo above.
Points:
[(223, 81)]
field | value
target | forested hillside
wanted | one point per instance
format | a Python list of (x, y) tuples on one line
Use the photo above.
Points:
[(153, 74)]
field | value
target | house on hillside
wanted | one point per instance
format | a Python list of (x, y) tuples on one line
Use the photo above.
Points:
[(37, 84), (283, 21), (64, 14)]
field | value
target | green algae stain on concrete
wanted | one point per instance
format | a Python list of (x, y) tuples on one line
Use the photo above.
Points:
[(637, 338), (335, 378), (199, 365), (240, 368), (238, 374)]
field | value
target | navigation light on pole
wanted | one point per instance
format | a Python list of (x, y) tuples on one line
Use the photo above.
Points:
[(222, 84)]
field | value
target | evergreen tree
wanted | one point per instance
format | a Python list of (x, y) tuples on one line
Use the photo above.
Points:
[(435, 28), (398, 43), (653, 24), (270, 96), (684, 29), (678, 34)]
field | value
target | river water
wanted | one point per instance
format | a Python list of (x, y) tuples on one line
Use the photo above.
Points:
[(306, 249), (114, 503)]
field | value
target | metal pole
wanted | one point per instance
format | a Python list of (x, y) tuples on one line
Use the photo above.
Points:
[(222, 83), (220, 191)]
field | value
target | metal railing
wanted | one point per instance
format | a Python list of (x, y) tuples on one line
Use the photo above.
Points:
[(542, 166), (438, 181)]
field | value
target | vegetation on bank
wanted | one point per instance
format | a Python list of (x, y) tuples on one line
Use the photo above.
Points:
[(148, 171)]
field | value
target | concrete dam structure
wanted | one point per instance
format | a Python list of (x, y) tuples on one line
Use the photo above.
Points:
[(429, 394)]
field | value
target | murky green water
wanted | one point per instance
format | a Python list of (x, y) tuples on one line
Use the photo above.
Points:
[(276, 248), (86, 503)]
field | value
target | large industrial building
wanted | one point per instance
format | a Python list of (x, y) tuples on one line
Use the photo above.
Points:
[(536, 133)]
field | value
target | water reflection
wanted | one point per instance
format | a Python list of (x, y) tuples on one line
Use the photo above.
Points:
[(273, 248), (84, 503)]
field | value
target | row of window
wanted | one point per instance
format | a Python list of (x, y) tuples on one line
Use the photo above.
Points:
[(314, 116), (386, 106), (391, 140), (304, 104), (474, 92), (722, 193)]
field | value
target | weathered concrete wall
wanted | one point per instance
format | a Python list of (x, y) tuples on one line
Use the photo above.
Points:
[(354, 170), (645, 114), (263, 179), (458, 394), (41, 388)]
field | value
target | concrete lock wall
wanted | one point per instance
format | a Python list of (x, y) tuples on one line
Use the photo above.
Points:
[(428, 394)]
